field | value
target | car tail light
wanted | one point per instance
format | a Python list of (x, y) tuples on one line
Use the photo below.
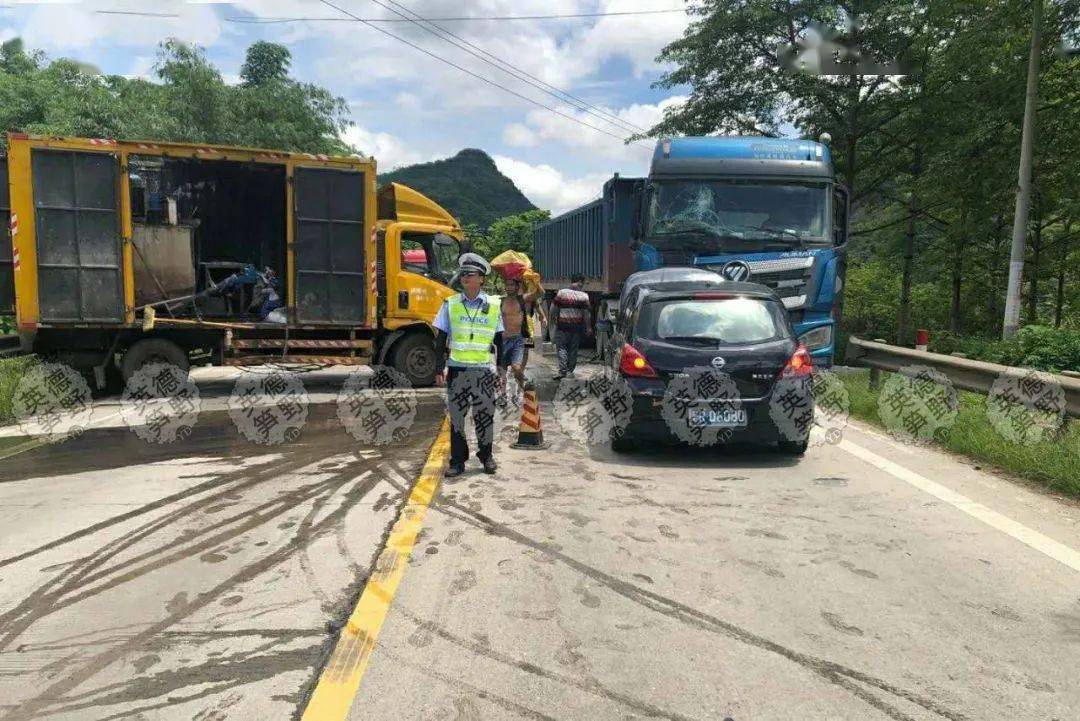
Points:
[(800, 364), (633, 363)]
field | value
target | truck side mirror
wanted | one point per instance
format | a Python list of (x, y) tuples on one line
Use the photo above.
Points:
[(841, 204), (444, 240), (637, 226)]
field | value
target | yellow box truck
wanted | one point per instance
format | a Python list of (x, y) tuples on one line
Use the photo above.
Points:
[(129, 252)]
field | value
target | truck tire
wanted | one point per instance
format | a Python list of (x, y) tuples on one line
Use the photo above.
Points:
[(153, 350), (414, 357)]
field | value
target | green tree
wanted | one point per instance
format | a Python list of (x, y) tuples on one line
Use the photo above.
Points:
[(189, 101), (265, 62), (195, 94), (930, 156)]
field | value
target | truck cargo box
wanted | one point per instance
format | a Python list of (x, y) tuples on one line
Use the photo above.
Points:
[(594, 240), (105, 225), (7, 273)]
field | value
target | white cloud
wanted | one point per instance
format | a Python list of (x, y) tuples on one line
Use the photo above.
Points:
[(409, 101), (563, 53), (59, 28), (546, 126), (142, 68), (519, 136), (389, 151), (547, 187)]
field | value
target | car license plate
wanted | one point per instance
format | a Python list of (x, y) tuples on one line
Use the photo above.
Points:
[(717, 417)]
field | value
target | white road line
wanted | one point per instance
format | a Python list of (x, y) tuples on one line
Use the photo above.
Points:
[(1042, 544)]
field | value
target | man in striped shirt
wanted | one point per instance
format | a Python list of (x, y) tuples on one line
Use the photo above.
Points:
[(571, 314)]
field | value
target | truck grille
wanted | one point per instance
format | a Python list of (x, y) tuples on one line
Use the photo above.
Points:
[(788, 277)]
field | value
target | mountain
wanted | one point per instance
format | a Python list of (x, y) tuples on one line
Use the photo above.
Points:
[(468, 185)]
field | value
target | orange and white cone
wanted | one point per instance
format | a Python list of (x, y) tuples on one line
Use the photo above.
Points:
[(530, 434)]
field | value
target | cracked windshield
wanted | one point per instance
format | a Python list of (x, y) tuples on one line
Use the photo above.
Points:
[(590, 360), (727, 210)]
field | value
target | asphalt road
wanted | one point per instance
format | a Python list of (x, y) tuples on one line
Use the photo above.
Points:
[(196, 580), (209, 579)]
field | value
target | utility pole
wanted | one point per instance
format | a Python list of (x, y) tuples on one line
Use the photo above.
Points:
[(1023, 187)]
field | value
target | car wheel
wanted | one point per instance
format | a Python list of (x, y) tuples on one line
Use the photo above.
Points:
[(793, 448)]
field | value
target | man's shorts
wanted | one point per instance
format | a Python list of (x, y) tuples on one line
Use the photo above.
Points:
[(513, 350)]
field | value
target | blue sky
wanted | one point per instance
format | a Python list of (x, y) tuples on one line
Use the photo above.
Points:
[(408, 107)]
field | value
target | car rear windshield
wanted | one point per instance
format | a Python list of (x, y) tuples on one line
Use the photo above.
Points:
[(727, 321)]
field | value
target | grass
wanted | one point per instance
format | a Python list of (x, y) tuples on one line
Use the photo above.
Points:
[(1054, 464), (11, 369)]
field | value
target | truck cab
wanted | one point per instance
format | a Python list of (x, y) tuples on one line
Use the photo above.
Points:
[(419, 242), (764, 210)]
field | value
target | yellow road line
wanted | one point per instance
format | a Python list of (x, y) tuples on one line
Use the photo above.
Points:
[(340, 680)]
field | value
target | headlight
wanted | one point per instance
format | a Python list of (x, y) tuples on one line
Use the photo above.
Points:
[(817, 338)]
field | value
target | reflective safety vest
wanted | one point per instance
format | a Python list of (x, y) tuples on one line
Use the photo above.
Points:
[(472, 331)]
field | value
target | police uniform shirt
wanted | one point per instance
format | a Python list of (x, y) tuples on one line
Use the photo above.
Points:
[(442, 319)]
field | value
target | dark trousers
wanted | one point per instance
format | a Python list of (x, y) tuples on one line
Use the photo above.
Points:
[(470, 388), (567, 343)]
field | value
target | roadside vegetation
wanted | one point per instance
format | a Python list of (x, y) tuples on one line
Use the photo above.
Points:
[(930, 156), (1055, 463), (1035, 346), (11, 369)]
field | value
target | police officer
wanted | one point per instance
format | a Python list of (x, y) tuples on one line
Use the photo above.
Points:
[(469, 326)]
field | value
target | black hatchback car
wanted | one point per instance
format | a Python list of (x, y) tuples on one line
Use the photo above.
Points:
[(709, 361)]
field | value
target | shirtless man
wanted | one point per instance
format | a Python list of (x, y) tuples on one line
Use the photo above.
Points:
[(516, 331)]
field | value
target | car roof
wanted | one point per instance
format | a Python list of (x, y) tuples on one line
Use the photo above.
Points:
[(681, 290), (666, 276)]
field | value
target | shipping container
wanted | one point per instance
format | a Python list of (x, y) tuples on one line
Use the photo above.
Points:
[(594, 240)]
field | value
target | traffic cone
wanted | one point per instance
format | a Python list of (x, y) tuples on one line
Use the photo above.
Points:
[(530, 435)]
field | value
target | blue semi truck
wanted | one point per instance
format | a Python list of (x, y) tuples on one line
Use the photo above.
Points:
[(761, 209)]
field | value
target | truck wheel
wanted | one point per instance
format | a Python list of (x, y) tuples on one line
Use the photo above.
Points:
[(414, 357), (153, 350)]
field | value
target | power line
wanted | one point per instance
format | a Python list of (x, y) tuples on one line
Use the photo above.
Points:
[(460, 18), (518, 74), (136, 13), (465, 70)]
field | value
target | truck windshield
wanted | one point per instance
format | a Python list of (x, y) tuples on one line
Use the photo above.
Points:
[(446, 260), (785, 213)]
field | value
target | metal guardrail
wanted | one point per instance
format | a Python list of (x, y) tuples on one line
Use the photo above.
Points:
[(970, 375)]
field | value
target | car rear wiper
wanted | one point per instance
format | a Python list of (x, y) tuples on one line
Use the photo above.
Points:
[(704, 339)]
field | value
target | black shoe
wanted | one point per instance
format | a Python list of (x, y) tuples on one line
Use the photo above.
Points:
[(490, 466), (454, 471)]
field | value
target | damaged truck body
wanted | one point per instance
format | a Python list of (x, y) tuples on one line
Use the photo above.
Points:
[(125, 253)]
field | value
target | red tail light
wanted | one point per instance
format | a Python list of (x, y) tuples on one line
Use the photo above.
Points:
[(800, 364), (632, 363)]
